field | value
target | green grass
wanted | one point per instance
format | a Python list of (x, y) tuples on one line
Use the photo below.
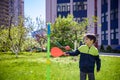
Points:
[(33, 66)]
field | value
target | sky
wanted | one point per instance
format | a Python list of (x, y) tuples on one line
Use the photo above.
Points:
[(34, 8)]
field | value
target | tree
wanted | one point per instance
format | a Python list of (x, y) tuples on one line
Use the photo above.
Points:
[(67, 31), (12, 37), (41, 35), (29, 43), (4, 42), (37, 30), (17, 35)]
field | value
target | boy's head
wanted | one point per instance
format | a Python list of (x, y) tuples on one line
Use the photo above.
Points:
[(89, 39)]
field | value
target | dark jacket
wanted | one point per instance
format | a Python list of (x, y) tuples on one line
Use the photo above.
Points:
[(88, 58)]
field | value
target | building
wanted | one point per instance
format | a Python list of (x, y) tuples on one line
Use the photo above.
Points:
[(4, 12), (78, 8), (54, 8), (16, 10), (107, 11), (51, 10), (109, 14), (10, 10)]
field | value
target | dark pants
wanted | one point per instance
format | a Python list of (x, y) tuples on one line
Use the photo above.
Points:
[(90, 76)]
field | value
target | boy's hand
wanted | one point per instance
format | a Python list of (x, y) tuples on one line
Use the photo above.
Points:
[(67, 48), (65, 54)]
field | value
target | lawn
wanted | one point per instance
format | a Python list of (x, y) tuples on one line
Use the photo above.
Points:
[(32, 66)]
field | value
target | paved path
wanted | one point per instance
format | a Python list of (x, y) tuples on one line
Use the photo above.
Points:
[(110, 54)]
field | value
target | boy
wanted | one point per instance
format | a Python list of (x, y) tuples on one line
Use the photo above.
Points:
[(88, 57)]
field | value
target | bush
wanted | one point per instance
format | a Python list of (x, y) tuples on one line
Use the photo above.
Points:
[(102, 48), (109, 48), (116, 51)]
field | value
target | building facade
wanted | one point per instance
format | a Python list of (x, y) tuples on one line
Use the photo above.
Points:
[(54, 8), (78, 8), (107, 11), (16, 10), (10, 10), (4, 12)]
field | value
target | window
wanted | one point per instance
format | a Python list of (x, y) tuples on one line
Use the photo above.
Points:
[(85, 7), (111, 11), (78, 20), (102, 37), (63, 7), (68, 7), (116, 30), (58, 8), (112, 36), (116, 10), (106, 32), (117, 36), (85, 2), (102, 14), (106, 13), (106, 36), (102, 32), (116, 15), (107, 18), (102, 19), (111, 17), (106, 1), (112, 31), (79, 6), (74, 6), (74, 19), (102, 1), (78, 3)]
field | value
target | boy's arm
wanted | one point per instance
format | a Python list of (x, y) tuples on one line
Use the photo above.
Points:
[(73, 53), (98, 62)]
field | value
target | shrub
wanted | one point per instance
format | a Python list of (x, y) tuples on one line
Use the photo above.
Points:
[(102, 48), (109, 48), (116, 51)]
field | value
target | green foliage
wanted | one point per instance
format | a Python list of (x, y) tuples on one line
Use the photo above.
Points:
[(4, 41), (15, 37), (29, 43), (66, 30), (36, 26), (116, 51), (102, 48), (108, 48), (12, 37)]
